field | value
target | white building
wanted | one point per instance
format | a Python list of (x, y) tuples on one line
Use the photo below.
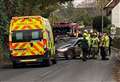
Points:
[(116, 15), (113, 11)]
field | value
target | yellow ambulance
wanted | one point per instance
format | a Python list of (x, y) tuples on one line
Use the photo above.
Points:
[(31, 41)]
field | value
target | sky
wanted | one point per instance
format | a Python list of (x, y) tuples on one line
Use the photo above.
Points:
[(76, 2)]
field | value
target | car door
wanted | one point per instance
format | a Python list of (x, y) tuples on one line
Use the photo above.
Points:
[(78, 48)]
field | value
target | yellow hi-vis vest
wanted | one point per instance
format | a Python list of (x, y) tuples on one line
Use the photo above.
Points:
[(105, 41), (89, 40), (87, 36), (95, 42)]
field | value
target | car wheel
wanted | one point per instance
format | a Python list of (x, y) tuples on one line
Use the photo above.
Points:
[(54, 61), (68, 55)]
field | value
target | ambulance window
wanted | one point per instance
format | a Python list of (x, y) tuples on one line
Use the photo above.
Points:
[(35, 35), (19, 36)]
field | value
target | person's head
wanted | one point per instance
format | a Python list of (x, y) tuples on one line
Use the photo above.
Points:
[(85, 31), (105, 33)]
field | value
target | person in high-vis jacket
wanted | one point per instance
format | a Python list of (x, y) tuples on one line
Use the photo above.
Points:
[(94, 45), (85, 47), (104, 45), (87, 36)]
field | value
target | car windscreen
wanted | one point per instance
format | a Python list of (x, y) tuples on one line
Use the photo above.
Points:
[(26, 35), (72, 41)]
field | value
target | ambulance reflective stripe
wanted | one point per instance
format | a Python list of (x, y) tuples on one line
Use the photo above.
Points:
[(38, 48), (21, 45), (15, 28), (30, 19), (40, 44), (18, 46), (10, 44), (23, 20), (40, 20), (31, 51), (15, 53), (25, 27), (35, 24), (14, 21), (15, 24), (14, 45)]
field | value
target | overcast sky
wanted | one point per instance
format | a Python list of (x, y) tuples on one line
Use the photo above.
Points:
[(76, 2)]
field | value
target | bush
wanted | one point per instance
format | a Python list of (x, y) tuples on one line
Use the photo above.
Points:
[(97, 23), (115, 43)]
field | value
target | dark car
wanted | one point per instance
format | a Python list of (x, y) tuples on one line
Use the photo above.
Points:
[(71, 49)]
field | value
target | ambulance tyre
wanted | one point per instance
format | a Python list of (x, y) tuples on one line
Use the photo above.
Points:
[(48, 62), (15, 65), (54, 61)]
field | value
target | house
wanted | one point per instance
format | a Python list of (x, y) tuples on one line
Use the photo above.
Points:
[(113, 12)]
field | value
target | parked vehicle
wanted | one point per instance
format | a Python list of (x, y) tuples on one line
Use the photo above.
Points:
[(64, 28), (71, 50), (31, 41)]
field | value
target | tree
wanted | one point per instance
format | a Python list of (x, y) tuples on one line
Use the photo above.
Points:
[(10, 8), (69, 13), (100, 5), (97, 24)]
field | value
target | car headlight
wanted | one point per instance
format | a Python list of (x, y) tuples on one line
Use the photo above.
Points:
[(62, 50)]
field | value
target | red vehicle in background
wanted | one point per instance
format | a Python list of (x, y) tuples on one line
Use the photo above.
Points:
[(63, 29)]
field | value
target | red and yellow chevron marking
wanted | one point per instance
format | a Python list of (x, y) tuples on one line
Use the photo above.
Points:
[(16, 27), (10, 44), (31, 51), (15, 54), (40, 44), (30, 19), (20, 45), (27, 23), (14, 45), (36, 49)]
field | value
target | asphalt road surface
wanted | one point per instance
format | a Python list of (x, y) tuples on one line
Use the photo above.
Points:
[(64, 71)]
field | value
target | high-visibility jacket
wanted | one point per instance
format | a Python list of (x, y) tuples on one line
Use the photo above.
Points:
[(105, 41), (95, 42)]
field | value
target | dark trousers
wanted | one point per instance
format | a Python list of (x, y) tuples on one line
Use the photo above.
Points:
[(85, 53), (109, 50), (103, 52)]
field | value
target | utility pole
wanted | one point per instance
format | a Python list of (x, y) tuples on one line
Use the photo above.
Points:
[(102, 17)]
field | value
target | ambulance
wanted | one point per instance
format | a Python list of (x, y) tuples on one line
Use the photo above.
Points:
[(31, 41)]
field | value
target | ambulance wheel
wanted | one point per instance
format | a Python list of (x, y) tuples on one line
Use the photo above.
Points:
[(15, 65), (48, 62), (54, 61)]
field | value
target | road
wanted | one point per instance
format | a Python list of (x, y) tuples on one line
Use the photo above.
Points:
[(64, 71)]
